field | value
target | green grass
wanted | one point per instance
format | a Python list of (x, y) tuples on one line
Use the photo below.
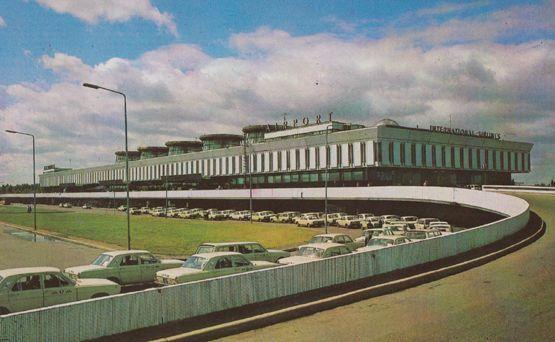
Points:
[(158, 235)]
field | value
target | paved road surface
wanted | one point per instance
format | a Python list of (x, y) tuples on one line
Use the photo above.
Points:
[(511, 298), (17, 249)]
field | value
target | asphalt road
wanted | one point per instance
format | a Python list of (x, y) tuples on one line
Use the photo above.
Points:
[(18, 249), (511, 298)]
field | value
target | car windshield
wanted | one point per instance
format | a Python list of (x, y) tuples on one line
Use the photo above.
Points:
[(103, 260), (195, 262), (205, 249), (320, 239), (380, 242), (311, 252)]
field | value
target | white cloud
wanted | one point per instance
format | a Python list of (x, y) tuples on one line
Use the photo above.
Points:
[(113, 11), (2, 22), (179, 91)]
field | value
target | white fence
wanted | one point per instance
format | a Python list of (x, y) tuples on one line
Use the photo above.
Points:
[(520, 188), (121, 313)]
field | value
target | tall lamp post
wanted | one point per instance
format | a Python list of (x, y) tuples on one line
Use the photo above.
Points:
[(94, 86), (34, 184), (326, 179)]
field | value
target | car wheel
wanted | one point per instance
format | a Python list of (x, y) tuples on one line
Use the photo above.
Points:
[(98, 295), (115, 280), (4, 311)]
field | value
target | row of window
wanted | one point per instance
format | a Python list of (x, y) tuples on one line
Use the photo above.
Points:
[(312, 158)]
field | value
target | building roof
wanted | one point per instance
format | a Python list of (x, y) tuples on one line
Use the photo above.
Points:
[(26, 270), (152, 148), (387, 122), (188, 143), (221, 136), (262, 128), (131, 153)]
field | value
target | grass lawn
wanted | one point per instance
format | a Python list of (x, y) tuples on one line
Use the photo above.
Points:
[(158, 235)]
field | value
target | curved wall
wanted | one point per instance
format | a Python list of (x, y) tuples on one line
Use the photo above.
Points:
[(111, 315)]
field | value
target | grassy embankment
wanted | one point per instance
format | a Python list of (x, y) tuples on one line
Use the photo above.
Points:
[(159, 235)]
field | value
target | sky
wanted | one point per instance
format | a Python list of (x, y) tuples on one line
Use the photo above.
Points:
[(195, 67)]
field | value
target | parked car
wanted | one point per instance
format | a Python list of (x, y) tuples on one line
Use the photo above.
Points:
[(217, 215), (365, 216), (151, 211), (67, 205), (349, 221), (242, 215), (315, 251), (333, 217), (204, 213), (122, 208), (367, 234), (228, 213), (315, 213), (191, 213), (343, 239), (398, 227), (124, 267), (158, 212), (61, 205), (310, 221), (421, 234), (34, 287), (372, 222), (251, 250), (144, 210), (285, 217), (389, 218), (382, 242), (409, 218), (443, 227), (86, 206), (134, 211), (423, 223), (174, 212), (209, 265), (262, 216)]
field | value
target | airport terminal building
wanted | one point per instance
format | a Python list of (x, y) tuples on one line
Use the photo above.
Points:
[(299, 155)]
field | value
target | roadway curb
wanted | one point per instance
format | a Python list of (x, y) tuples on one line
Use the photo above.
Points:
[(262, 320)]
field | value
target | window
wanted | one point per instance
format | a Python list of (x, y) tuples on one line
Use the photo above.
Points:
[(452, 156), (53, 280), (509, 159), (232, 164), (262, 162), (317, 156), (254, 158), (26, 283), (245, 249), (350, 154), (402, 155), (307, 158), (443, 156), (413, 154), (339, 155), (223, 263), (378, 151), (391, 148), (279, 160), (434, 155), (129, 260), (271, 162), (363, 153), (148, 259), (288, 159), (258, 249), (502, 159), (328, 154), (461, 157), (470, 158), (479, 159), (486, 157), (239, 261), (494, 160), (297, 159), (423, 154)]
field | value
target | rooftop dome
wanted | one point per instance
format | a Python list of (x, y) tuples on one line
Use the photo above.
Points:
[(386, 122)]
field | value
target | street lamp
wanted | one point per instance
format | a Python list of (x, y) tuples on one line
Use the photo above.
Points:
[(94, 86), (34, 185), (326, 179)]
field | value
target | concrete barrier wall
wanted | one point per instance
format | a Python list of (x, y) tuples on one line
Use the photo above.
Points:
[(121, 313), (520, 188)]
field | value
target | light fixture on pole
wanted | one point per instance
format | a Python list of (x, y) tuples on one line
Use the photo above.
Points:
[(94, 86), (34, 184)]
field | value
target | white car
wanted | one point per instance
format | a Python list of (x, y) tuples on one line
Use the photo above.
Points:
[(343, 239), (382, 242), (34, 287), (424, 223), (367, 234), (422, 234), (86, 206), (263, 216), (122, 208), (308, 253), (441, 226), (242, 215)]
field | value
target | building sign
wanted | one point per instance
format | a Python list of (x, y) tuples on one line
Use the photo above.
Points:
[(465, 132), (49, 167), (295, 122)]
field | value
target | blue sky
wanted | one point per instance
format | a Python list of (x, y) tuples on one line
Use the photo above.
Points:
[(488, 64)]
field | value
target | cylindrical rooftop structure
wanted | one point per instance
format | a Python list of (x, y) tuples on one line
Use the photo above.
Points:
[(148, 152), (216, 141), (183, 146), (133, 155), (255, 133)]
